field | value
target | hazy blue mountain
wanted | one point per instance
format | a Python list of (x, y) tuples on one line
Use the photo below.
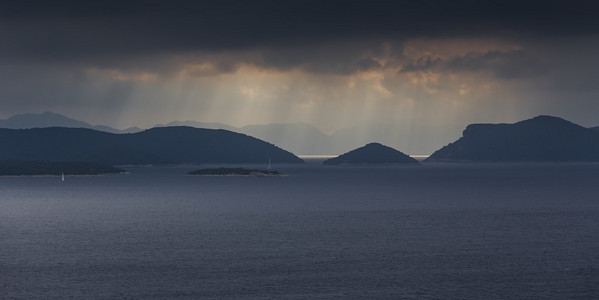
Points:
[(50, 119), (208, 125), (47, 119), (153, 146), (303, 138), (105, 128), (373, 153), (299, 138), (410, 138), (543, 138)]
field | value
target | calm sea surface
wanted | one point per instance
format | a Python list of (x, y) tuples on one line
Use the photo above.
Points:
[(435, 231)]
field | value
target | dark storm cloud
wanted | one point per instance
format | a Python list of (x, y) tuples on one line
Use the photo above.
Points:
[(506, 65), (35, 88), (335, 56), (95, 31)]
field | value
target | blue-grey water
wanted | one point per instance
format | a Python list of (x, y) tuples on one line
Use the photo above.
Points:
[(435, 231)]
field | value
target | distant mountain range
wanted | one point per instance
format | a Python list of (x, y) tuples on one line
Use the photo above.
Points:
[(299, 138), (303, 138), (543, 138), (168, 145), (50, 119)]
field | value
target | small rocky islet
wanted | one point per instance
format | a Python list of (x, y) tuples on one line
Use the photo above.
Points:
[(235, 172)]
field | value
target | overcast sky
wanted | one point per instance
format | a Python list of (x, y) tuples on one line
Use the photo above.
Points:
[(424, 68)]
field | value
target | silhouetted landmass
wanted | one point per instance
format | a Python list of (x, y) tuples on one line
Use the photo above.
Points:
[(234, 172), (303, 138), (298, 137), (595, 129), (373, 153), (30, 168), (50, 119), (543, 138), (167, 145)]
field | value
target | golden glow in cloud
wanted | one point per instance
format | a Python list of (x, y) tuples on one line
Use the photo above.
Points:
[(120, 75), (419, 86), (448, 48)]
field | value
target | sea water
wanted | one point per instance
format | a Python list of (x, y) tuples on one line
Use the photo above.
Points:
[(433, 231)]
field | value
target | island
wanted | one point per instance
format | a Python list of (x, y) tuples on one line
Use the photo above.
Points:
[(40, 168), (373, 153), (160, 145), (235, 172), (543, 138)]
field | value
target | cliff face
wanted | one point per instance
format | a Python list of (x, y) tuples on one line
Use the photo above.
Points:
[(153, 146), (373, 153), (543, 138)]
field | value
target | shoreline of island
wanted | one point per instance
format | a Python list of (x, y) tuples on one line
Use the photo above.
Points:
[(240, 172)]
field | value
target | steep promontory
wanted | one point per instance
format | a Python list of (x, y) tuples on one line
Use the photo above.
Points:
[(543, 138), (373, 153)]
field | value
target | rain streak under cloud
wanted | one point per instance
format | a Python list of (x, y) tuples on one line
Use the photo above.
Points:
[(412, 74)]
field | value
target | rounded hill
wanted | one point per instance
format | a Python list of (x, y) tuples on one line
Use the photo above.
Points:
[(373, 153), (161, 145)]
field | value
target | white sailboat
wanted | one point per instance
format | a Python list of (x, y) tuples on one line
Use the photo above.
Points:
[(268, 164), (62, 179)]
